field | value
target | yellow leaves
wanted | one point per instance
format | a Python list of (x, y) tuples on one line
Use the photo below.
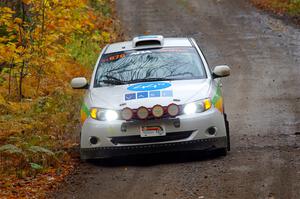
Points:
[(7, 52), (92, 16), (39, 42), (20, 50), (50, 59), (18, 20), (6, 15), (106, 36), (6, 10), (27, 2), (12, 37), (78, 26), (37, 45), (2, 100), (51, 27)]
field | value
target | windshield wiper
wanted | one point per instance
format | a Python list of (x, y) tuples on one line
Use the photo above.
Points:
[(112, 80), (151, 80)]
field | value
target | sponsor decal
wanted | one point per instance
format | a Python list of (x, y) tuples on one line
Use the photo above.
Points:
[(154, 93), (130, 96), (149, 86), (167, 93), (142, 95), (113, 57), (150, 94), (141, 52)]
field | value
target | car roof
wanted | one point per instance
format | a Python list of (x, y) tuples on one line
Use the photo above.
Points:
[(164, 42)]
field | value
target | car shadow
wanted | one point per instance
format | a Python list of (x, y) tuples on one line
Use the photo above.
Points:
[(156, 159)]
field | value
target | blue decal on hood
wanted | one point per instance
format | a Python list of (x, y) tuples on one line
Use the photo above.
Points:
[(154, 93), (149, 86), (142, 95), (167, 93), (130, 96)]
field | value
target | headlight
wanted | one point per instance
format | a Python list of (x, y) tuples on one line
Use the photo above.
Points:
[(197, 107), (104, 114)]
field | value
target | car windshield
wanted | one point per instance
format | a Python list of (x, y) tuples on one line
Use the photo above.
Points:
[(149, 65)]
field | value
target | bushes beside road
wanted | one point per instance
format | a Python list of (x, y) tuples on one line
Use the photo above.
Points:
[(287, 8)]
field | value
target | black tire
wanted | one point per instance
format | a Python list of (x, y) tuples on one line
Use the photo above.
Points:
[(222, 151), (227, 132)]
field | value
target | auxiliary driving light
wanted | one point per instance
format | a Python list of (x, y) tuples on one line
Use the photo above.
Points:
[(127, 114), (157, 111), (173, 110), (142, 113)]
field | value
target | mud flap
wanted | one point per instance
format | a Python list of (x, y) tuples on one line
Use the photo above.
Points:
[(227, 131)]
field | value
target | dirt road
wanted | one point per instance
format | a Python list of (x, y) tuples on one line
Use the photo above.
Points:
[(262, 101)]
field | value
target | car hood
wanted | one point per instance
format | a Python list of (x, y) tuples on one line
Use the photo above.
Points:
[(179, 92)]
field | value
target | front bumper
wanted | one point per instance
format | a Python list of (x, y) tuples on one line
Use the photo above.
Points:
[(200, 144), (190, 134)]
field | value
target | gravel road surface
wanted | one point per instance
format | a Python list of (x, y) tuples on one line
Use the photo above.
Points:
[(262, 98)]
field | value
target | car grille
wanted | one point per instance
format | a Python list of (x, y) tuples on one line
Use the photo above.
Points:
[(137, 139)]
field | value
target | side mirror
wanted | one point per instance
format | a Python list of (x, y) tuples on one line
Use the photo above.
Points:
[(221, 71), (79, 83)]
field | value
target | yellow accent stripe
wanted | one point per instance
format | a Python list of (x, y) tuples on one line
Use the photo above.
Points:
[(84, 113), (219, 105)]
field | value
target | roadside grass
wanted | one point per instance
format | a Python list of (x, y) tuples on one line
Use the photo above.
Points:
[(35, 139), (281, 7), (38, 135)]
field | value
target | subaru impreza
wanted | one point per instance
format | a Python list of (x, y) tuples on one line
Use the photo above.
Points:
[(152, 95)]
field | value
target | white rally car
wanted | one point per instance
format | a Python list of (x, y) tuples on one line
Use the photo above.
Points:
[(151, 95)]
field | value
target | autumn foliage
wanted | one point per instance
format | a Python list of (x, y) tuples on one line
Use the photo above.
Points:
[(43, 44), (281, 7)]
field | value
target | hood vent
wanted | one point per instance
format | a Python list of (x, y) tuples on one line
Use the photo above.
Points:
[(147, 40)]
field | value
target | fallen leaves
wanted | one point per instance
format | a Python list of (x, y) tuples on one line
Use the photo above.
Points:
[(279, 6), (35, 186), (286, 9)]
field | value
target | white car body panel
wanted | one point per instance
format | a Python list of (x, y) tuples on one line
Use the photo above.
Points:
[(198, 89)]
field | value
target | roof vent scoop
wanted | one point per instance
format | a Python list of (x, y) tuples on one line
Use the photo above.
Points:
[(148, 40)]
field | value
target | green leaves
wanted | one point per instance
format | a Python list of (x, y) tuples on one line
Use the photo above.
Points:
[(9, 148), (38, 149), (36, 166), (25, 157)]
